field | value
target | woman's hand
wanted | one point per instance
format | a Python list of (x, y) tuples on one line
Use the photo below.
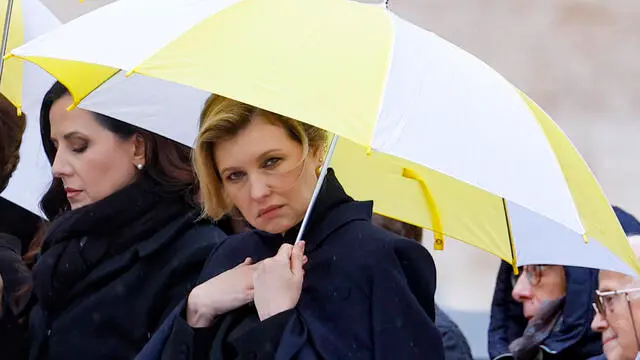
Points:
[(223, 293), (278, 281)]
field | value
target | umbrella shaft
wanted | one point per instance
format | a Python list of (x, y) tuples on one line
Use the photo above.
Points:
[(316, 191), (5, 35)]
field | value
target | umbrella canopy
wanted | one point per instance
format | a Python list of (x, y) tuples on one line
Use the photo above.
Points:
[(25, 84), (358, 71)]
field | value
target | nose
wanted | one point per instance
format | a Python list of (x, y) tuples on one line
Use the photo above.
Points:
[(60, 167), (259, 187), (522, 289), (599, 323)]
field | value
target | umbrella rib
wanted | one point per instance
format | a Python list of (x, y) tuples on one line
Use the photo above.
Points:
[(510, 233), (77, 102)]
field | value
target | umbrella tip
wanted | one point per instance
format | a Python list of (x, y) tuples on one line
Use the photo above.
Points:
[(438, 241), (73, 105), (129, 73), (8, 56), (585, 238)]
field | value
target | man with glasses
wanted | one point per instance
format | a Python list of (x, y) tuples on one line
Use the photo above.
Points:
[(548, 311), (617, 304)]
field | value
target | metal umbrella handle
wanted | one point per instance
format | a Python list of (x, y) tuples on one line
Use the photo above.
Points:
[(316, 191), (5, 36)]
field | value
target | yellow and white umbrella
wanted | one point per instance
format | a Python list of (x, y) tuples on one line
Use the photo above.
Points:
[(25, 84), (402, 94)]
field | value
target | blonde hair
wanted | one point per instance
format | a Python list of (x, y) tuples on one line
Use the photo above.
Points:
[(221, 120)]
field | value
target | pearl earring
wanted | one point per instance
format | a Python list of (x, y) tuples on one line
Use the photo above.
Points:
[(139, 166)]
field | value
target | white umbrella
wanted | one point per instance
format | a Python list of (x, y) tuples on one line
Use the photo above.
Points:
[(33, 174)]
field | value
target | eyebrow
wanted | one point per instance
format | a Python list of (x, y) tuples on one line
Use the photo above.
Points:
[(69, 135), (72, 134)]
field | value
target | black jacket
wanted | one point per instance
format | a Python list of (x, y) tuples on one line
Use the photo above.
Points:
[(116, 309), (367, 294), (455, 343), (17, 228)]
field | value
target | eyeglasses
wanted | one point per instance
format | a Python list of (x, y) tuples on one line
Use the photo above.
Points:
[(532, 272), (604, 300)]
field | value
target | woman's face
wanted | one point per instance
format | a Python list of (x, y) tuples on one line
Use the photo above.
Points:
[(264, 176), (91, 161), (538, 284)]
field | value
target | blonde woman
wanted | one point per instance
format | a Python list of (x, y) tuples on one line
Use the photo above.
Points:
[(350, 291)]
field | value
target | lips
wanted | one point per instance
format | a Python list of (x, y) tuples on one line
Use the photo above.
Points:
[(607, 340), (71, 191), (269, 210)]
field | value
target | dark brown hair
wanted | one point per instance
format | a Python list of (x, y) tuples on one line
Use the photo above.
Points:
[(168, 163), (398, 227), (12, 127)]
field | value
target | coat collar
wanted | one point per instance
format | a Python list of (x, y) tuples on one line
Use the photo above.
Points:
[(140, 250)]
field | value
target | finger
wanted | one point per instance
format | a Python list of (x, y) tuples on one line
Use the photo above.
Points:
[(305, 260), (284, 253), (297, 257), (246, 262), (255, 266)]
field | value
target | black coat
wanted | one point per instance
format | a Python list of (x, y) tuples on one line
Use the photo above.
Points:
[(367, 294), (16, 276), (116, 309), (17, 228), (455, 343)]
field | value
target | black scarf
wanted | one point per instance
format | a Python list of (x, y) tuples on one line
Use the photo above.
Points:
[(78, 241)]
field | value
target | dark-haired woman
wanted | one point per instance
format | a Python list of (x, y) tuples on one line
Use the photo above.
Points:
[(125, 244)]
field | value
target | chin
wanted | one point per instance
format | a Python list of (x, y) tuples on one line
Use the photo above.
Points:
[(614, 353), (275, 226), (77, 205)]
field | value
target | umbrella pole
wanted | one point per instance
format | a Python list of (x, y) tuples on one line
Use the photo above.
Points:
[(512, 245), (5, 35), (316, 191)]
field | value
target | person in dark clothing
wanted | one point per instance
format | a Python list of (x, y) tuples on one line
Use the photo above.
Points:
[(455, 343), (566, 333), (17, 227), (364, 293), (125, 244)]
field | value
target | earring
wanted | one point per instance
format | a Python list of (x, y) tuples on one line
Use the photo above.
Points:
[(140, 166), (319, 168)]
